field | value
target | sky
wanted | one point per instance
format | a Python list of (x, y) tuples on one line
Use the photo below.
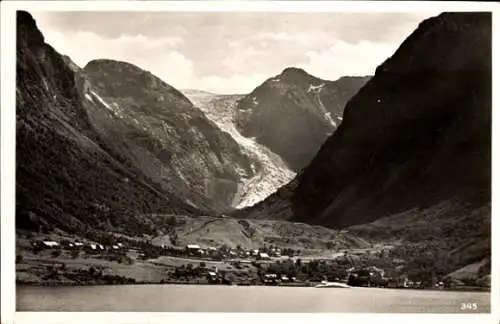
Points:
[(231, 52)]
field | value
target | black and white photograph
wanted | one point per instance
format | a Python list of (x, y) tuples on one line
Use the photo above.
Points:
[(271, 158)]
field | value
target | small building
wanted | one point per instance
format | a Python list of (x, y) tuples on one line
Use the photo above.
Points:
[(271, 278), (93, 248), (194, 249), (212, 276), (263, 256), (50, 244)]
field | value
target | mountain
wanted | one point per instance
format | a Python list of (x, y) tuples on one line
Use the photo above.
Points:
[(65, 175), (270, 171), (415, 145), (174, 143), (83, 162), (293, 113)]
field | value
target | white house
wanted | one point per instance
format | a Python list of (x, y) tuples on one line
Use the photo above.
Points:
[(264, 256), (50, 244)]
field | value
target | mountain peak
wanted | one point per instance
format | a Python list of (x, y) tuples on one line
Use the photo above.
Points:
[(294, 71), (112, 63), (27, 30)]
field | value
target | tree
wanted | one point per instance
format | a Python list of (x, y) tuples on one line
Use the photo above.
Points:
[(75, 254), (330, 245), (298, 262)]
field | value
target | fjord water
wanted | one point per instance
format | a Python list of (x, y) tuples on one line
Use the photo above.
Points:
[(199, 298)]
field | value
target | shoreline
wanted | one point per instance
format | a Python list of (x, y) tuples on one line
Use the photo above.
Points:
[(172, 283)]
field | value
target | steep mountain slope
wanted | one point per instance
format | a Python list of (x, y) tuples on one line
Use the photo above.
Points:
[(270, 170), (170, 139), (293, 113), (100, 146), (65, 175), (418, 134), (415, 145)]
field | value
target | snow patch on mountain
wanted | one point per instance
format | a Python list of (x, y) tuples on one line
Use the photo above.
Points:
[(316, 89), (272, 172), (95, 95), (88, 97)]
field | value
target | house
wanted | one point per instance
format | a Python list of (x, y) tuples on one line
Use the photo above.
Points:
[(50, 244), (193, 249), (120, 245), (271, 278), (79, 245), (211, 251), (408, 284), (212, 276), (93, 248), (263, 256)]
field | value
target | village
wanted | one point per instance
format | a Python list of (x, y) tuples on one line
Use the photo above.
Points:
[(194, 264)]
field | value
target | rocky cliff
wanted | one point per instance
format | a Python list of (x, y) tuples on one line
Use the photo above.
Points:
[(293, 113)]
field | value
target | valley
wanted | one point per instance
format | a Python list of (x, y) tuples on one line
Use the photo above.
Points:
[(301, 178)]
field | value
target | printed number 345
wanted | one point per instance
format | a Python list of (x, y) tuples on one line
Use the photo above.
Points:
[(468, 306)]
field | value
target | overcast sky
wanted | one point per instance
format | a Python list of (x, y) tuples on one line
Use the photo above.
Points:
[(230, 52)]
